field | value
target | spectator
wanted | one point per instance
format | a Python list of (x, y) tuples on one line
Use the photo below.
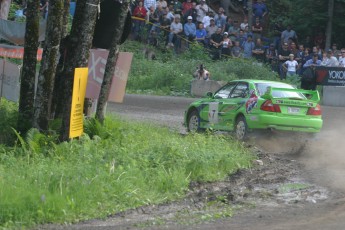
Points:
[(139, 23), (202, 8), (215, 44), (149, 3), (342, 58), (165, 26), (335, 50), (241, 37), (191, 12), (248, 47), (206, 19), (244, 24), (308, 81), (259, 10), (175, 31), (170, 14), (44, 8), (315, 50), (220, 19), (272, 57), (162, 3), (234, 31), (177, 7), (259, 51), (294, 50), (306, 56), (290, 66), (283, 56), (288, 33), (236, 50), (211, 29), (189, 29), (314, 61), (330, 60), (257, 29), (228, 24), (152, 18), (201, 34), (226, 45), (186, 5), (201, 73)]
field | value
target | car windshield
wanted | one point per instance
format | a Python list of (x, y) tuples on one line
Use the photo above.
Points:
[(262, 88)]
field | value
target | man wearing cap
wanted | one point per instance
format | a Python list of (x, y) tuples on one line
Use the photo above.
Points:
[(291, 66), (189, 29), (330, 60)]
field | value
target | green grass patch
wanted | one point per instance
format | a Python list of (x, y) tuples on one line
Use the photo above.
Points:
[(111, 168), (285, 188)]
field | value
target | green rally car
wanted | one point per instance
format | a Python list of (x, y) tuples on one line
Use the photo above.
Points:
[(242, 105)]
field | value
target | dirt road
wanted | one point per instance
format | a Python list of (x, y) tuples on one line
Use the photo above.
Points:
[(265, 197)]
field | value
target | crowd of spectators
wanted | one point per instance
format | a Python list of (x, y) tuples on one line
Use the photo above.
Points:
[(224, 36)]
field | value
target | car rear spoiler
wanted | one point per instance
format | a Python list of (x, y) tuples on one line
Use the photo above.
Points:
[(311, 95)]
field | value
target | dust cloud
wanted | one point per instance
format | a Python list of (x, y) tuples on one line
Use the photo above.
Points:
[(322, 155)]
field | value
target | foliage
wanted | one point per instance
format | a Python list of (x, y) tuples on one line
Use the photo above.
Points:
[(171, 74), (308, 17), (124, 165), (8, 119)]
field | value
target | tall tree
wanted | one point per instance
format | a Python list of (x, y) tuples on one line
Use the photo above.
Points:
[(49, 62), (250, 14), (27, 86), (77, 54), (112, 58), (329, 24)]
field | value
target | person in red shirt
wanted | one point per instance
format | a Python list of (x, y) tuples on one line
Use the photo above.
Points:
[(186, 5), (139, 21)]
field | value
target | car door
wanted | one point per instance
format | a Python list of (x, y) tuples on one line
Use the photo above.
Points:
[(230, 107), (210, 116)]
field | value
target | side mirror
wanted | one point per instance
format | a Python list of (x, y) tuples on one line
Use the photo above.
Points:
[(209, 94)]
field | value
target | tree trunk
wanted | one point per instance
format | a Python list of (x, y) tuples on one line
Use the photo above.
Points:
[(77, 54), (49, 62), (57, 105), (27, 85), (329, 24), (4, 8), (250, 15), (111, 61)]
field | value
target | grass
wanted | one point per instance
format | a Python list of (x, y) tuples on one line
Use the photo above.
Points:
[(171, 75), (111, 168)]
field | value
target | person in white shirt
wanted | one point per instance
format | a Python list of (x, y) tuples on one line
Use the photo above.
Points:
[(329, 60), (202, 9), (342, 58), (291, 66)]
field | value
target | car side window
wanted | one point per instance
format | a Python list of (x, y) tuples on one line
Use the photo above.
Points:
[(225, 91), (240, 91)]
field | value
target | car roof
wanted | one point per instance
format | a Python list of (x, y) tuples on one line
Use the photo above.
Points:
[(258, 81)]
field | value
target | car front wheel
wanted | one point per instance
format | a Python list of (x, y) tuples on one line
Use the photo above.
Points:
[(194, 121), (241, 128)]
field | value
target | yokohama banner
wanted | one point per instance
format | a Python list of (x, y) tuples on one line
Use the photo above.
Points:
[(334, 76), (17, 52)]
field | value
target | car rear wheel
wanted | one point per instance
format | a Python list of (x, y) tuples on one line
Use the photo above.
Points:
[(241, 128), (194, 121)]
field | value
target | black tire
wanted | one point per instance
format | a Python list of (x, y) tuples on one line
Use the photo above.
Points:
[(241, 128), (193, 122)]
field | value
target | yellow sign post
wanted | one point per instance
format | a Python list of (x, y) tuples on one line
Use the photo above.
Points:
[(79, 88)]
